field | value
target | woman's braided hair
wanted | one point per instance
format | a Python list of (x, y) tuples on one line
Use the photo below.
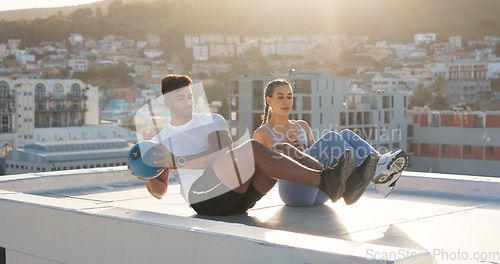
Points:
[(268, 92)]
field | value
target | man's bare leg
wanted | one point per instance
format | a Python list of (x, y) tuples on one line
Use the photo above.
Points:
[(298, 156), (254, 162)]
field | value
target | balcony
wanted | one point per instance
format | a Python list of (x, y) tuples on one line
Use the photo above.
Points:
[(6, 97), (39, 97), (80, 96), (6, 111), (6, 129)]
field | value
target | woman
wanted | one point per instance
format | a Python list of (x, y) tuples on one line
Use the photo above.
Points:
[(279, 130)]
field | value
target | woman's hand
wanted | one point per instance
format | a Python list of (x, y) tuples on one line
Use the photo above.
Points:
[(168, 158), (295, 141)]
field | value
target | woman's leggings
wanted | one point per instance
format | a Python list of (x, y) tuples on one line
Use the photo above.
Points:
[(327, 150)]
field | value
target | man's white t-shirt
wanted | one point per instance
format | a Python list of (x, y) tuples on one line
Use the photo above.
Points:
[(189, 139)]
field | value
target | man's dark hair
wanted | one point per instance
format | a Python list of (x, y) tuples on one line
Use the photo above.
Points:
[(173, 82)]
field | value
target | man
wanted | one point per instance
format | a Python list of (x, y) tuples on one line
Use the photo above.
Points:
[(217, 179)]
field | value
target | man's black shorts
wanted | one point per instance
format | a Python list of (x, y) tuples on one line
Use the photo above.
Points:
[(209, 196)]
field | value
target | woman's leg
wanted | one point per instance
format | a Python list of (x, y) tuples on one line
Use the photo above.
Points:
[(361, 148)]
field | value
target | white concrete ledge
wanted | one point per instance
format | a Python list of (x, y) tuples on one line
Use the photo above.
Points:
[(460, 185), (61, 180)]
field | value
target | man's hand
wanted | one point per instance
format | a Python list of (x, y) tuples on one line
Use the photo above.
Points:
[(295, 141), (168, 158)]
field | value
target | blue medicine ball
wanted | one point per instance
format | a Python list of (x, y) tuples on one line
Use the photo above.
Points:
[(140, 160)]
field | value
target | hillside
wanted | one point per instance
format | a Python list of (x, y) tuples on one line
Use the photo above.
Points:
[(391, 20), (46, 12)]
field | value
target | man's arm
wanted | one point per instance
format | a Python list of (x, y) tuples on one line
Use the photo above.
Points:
[(219, 142), (157, 186)]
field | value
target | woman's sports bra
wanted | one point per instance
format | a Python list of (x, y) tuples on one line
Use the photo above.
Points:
[(302, 135)]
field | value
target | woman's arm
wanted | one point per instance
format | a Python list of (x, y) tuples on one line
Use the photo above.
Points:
[(309, 134), (261, 135)]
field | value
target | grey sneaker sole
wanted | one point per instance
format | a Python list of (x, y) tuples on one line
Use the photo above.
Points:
[(386, 182), (396, 165)]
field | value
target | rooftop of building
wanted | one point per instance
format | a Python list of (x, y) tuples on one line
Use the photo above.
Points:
[(107, 216)]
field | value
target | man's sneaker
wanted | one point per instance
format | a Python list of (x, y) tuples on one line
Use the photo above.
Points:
[(333, 180), (389, 169), (360, 178)]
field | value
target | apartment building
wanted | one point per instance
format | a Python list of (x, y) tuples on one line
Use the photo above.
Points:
[(191, 40), (200, 52), (79, 65), (467, 80), (424, 38), (75, 39), (222, 50), (460, 142), (13, 44), (29, 103), (455, 41), (326, 103)]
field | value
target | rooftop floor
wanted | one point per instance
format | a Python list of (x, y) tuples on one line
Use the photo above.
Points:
[(449, 218)]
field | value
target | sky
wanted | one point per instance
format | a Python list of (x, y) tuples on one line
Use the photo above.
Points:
[(25, 4)]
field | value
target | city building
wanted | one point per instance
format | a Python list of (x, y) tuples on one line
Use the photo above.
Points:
[(455, 41), (200, 52), (76, 39), (79, 65), (13, 44), (461, 142), (222, 50), (424, 38), (63, 155), (29, 103), (467, 80)]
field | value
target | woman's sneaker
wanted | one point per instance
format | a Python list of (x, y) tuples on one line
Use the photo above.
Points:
[(333, 180), (389, 168)]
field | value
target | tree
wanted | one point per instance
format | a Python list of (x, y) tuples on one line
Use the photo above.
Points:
[(440, 101), (439, 84), (422, 95), (81, 14)]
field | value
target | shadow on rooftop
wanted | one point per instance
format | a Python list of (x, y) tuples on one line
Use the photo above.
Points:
[(319, 220)]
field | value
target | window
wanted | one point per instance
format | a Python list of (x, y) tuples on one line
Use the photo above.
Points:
[(298, 86), (58, 91), (386, 102), (387, 117), (76, 91), (424, 147), (490, 150), (410, 131), (258, 95), (467, 149), (445, 148), (4, 90)]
